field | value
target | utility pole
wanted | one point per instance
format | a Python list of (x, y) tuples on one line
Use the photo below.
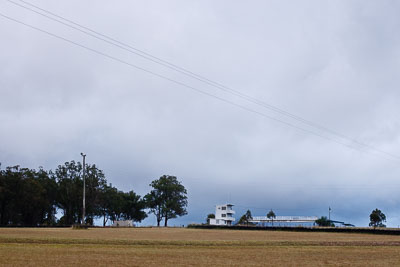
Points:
[(84, 190)]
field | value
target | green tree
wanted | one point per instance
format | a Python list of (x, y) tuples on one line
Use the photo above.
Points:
[(101, 200), (323, 221), (31, 200), (27, 197), (116, 205), (210, 216), (242, 220), (48, 182), (271, 215), (10, 186), (95, 183), (168, 199), (133, 207), (154, 202), (377, 218), (110, 204), (246, 218), (70, 192)]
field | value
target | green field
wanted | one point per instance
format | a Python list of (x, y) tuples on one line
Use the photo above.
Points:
[(189, 247)]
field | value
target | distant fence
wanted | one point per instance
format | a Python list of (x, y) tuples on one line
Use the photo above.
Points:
[(354, 230)]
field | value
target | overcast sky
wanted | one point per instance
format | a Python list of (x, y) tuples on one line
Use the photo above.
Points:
[(334, 63)]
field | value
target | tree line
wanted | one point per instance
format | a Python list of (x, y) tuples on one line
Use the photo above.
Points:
[(30, 197)]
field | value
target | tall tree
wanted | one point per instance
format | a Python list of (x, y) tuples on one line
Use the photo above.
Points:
[(49, 184), (116, 205), (377, 218), (70, 191), (9, 187), (271, 215), (110, 201), (27, 197), (246, 218), (133, 207), (95, 184), (30, 198), (154, 202), (168, 199)]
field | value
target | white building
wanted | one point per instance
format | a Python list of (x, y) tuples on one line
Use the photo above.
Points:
[(223, 215), (127, 223)]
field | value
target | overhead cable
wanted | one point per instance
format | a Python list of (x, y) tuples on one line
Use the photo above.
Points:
[(158, 60), (98, 52)]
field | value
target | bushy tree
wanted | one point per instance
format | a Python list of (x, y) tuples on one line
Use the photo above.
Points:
[(377, 218), (133, 207), (246, 218), (70, 191), (323, 221), (155, 202), (116, 205), (95, 183), (49, 195), (110, 204), (9, 187), (168, 199), (27, 197), (31, 198)]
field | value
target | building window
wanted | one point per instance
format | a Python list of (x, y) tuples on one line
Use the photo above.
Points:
[(223, 215), (223, 208)]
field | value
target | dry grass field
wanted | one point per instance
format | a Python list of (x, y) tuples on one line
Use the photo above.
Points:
[(192, 247)]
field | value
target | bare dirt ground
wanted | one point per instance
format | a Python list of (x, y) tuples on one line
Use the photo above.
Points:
[(193, 247)]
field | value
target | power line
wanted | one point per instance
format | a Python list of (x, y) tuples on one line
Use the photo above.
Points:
[(148, 56), (178, 82)]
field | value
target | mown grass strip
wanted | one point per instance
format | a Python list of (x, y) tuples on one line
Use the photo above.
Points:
[(184, 243)]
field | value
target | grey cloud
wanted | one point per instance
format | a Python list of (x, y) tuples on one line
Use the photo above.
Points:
[(335, 63)]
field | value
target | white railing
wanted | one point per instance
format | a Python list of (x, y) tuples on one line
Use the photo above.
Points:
[(285, 219)]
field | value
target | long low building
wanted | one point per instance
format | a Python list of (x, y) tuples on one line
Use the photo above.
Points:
[(286, 219)]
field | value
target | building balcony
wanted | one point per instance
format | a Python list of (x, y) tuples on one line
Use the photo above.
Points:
[(227, 217)]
